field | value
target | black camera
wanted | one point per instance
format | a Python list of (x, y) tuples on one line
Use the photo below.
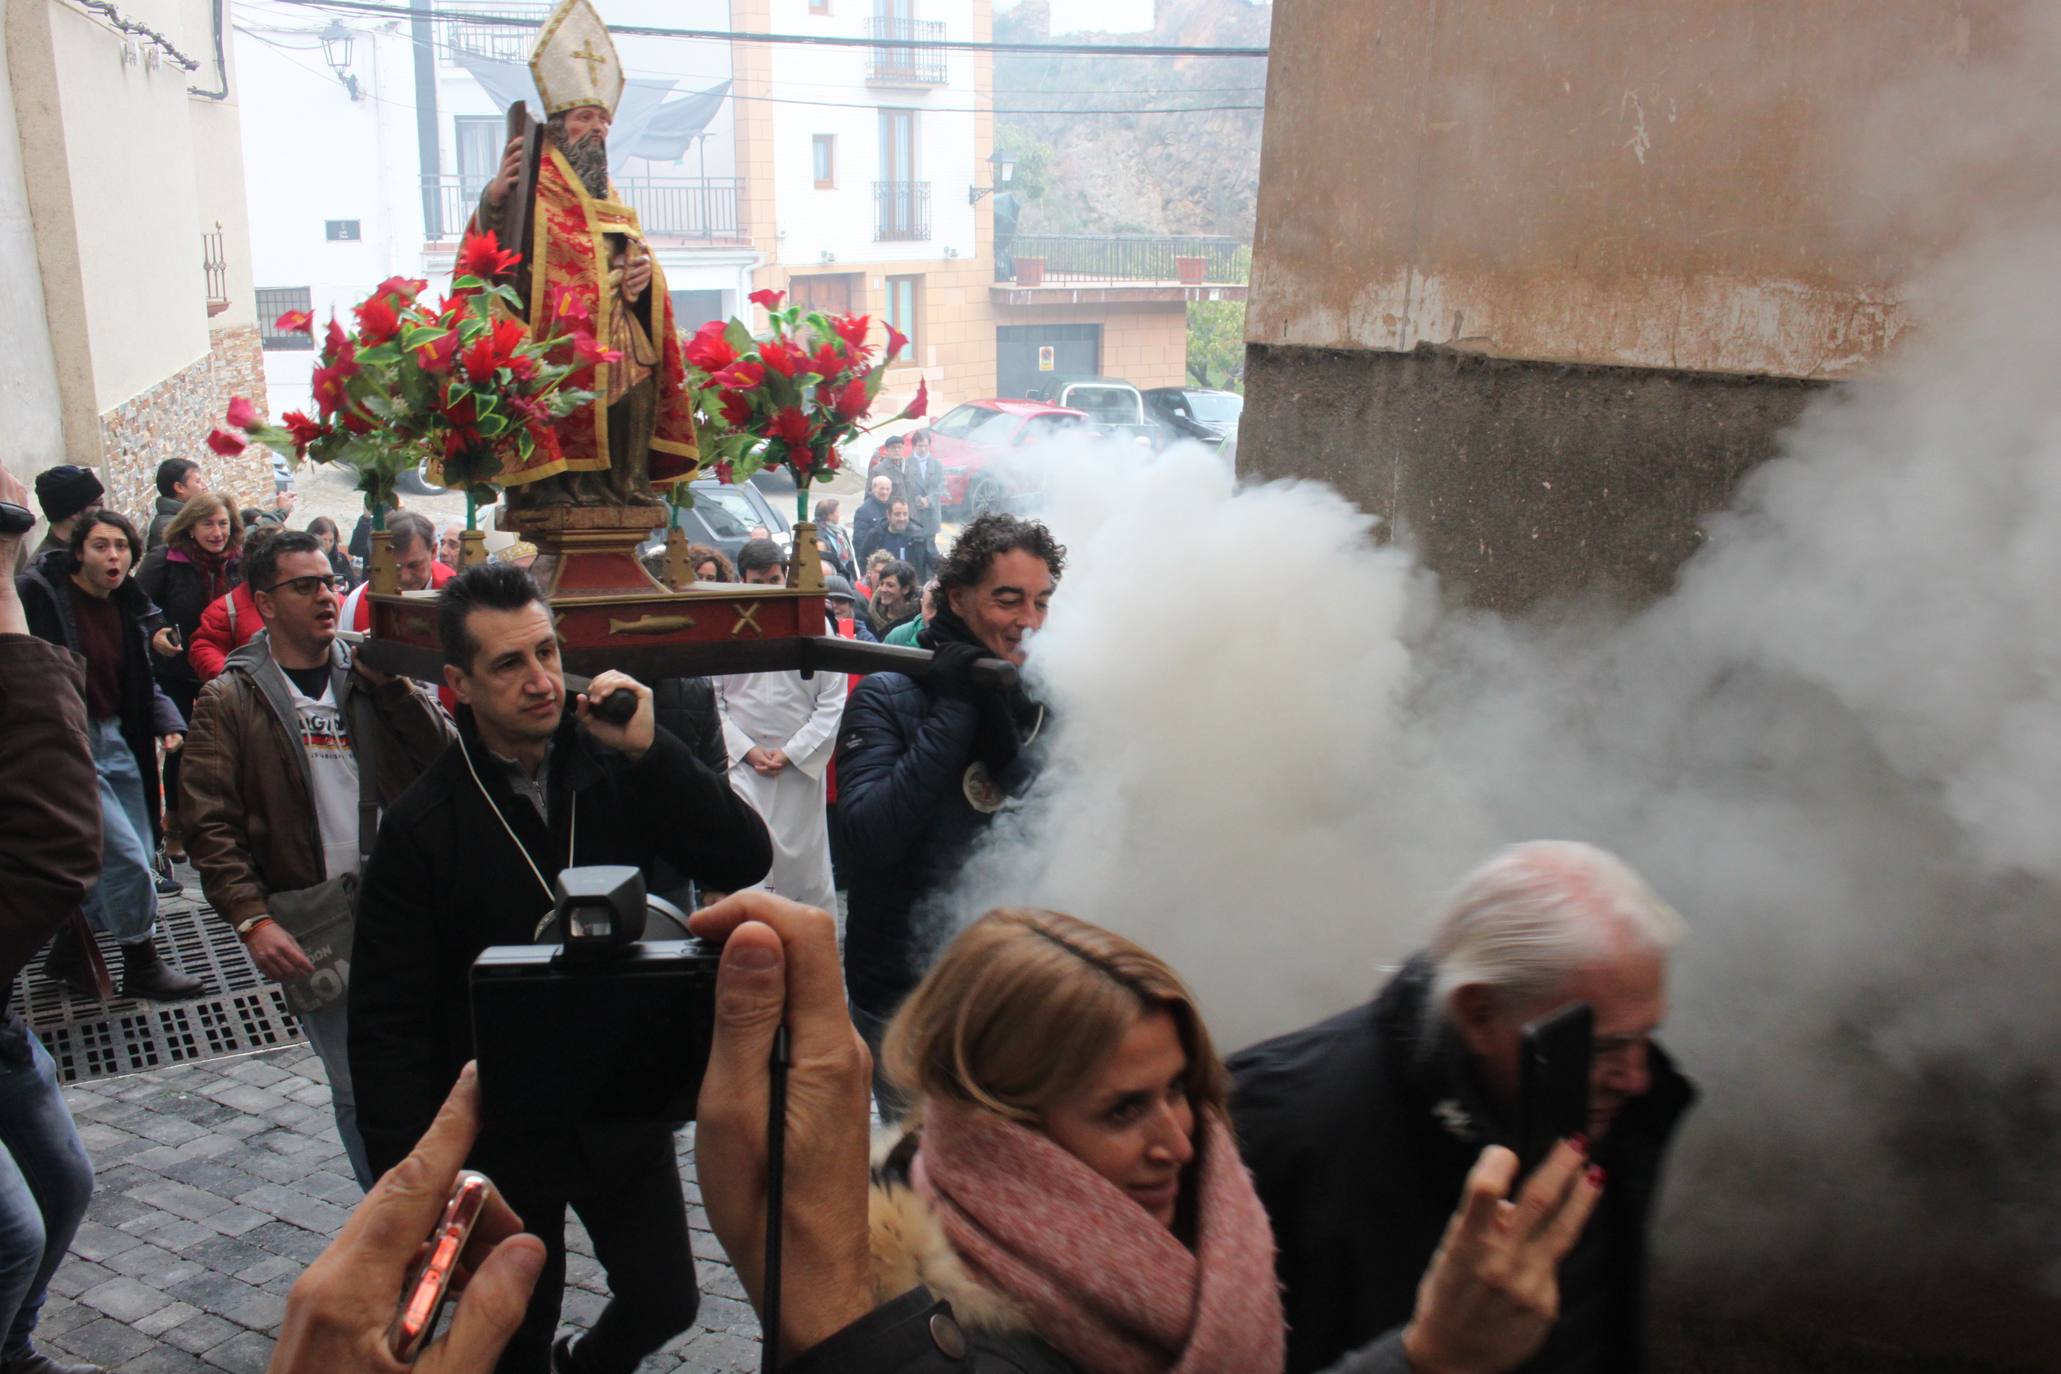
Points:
[(603, 1025)]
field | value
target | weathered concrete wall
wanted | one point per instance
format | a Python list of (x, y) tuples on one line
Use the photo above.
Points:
[(1666, 218), (1516, 480)]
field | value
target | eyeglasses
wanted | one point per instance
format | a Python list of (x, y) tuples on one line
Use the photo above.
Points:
[(308, 586)]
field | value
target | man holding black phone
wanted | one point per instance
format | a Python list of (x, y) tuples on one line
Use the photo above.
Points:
[(1360, 1131), (536, 782)]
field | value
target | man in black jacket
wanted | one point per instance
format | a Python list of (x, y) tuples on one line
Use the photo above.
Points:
[(924, 766), (466, 859), (1360, 1130)]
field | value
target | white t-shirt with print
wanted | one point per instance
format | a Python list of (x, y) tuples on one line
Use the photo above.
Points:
[(334, 770)]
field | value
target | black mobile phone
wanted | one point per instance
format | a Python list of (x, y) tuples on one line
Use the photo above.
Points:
[(1553, 1081)]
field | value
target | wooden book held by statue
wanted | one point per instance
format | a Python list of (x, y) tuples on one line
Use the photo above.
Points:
[(520, 217)]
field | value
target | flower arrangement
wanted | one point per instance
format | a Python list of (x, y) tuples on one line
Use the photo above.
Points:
[(795, 397), (459, 385)]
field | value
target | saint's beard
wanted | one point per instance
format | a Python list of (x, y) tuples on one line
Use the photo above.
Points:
[(588, 159)]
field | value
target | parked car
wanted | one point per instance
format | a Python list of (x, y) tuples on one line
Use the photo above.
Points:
[(1197, 413), (972, 442), (1115, 408), (724, 515)]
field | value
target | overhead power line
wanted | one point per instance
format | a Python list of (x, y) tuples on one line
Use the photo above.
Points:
[(804, 39)]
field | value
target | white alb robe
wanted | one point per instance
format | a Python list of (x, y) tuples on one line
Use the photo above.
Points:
[(800, 718)]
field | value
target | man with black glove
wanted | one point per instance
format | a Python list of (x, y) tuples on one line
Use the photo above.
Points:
[(924, 766)]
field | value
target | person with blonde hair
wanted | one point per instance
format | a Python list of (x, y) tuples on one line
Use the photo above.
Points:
[(200, 562), (1068, 1181)]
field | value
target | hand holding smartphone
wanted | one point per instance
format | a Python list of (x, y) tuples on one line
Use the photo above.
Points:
[(428, 1285), (1553, 1082)]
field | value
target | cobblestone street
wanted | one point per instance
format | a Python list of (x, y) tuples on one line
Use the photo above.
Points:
[(219, 1181), (221, 1177)]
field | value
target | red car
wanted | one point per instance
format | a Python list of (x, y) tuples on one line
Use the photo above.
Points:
[(967, 438)]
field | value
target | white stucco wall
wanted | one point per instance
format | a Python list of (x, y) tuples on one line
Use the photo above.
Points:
[(114, 140), (218, 159), (841, 221), (30, 407)]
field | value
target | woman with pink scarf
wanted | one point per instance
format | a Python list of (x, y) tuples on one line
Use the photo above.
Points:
[(1068, 1181)]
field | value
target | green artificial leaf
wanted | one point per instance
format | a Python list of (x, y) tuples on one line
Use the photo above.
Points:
[(468, 282), (381, 355), (415, 336), (739, 337), (492, 425)]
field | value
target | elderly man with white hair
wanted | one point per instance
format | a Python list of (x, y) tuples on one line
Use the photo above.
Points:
[(1361, 1130)]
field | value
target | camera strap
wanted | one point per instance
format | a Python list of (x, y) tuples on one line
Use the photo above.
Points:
[(572, 829)]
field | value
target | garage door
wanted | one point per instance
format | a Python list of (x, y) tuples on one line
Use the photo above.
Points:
[(1027, 356)]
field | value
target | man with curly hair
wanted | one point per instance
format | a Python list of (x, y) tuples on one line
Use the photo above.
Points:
[(923, 766)]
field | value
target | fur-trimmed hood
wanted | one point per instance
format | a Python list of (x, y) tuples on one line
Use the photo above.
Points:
[(909, 1245)]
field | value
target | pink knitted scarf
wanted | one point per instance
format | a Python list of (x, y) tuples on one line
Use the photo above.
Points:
[(1102, 1281)]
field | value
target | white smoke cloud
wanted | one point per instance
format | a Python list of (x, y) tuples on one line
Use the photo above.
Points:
[(1836, 747)]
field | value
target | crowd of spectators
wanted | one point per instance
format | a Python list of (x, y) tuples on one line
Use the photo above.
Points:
[(1071, 1178)]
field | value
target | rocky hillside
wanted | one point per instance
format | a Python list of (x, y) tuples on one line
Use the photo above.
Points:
[(1186, 173)]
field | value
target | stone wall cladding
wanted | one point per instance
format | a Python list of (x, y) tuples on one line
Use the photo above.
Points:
[(172, 420)]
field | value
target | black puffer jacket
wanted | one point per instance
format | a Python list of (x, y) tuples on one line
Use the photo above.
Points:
[(685, 707), (180, 589), (905, 826), (1360, 1132), (46, 591)]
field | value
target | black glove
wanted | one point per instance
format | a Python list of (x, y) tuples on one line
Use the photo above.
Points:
[(951, 669)]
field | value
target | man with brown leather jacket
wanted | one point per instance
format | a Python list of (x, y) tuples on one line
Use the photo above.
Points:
[(272, 781), (49, 859)]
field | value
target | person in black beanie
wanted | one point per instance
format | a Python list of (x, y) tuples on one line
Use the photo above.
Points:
[(65, 493), (923, 766)]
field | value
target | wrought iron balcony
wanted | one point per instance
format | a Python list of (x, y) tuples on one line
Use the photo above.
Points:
[(901, 211), (909, 55), (691, 209), (214, 266)]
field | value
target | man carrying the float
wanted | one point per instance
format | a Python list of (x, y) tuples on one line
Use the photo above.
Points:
[(587, 268)]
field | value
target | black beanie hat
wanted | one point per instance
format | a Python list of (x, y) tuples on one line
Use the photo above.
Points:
[(66, 490)]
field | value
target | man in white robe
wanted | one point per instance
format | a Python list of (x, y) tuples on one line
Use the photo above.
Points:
[(781, 733)]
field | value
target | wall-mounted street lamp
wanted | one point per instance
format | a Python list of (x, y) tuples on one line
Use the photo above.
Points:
[(336, 51), (1005, 171)]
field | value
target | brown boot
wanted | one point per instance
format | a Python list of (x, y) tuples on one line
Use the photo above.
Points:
[(66, 963), (144, 974)]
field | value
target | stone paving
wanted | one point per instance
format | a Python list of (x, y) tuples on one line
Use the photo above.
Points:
[(220, 1180)]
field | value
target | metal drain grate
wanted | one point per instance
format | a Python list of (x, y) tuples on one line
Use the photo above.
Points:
[(93, 1039)]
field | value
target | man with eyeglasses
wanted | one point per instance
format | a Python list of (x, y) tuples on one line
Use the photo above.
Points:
[(272, 779)]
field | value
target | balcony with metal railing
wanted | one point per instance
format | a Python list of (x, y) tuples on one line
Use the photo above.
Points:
[(1047, 269), (671, 209), (483, 28), (908, 54), (901, 211), (214, 267)]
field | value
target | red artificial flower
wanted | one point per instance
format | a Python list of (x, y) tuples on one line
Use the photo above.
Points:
[(570, 305), (521, 366), (296, 322), (725, 472), (778, 357), (509, 335), (769, 299), (709, 349), (345, 363), (831, 461), (242, 414), (462, 411), (480, 360), (482, 256), (452, 306), (896, 341), (356, 423), (330, 395), (400, 290), (790, 425), (919, 407), (740, 376), (225, 443), (736, 408), (304, 430), (334, 341), (378, 321), (826, 362), (852, 329), (852, 401), (438, 354), (587, 350)]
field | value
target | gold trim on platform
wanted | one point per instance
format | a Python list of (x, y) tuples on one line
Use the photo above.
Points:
[(651, 625)]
